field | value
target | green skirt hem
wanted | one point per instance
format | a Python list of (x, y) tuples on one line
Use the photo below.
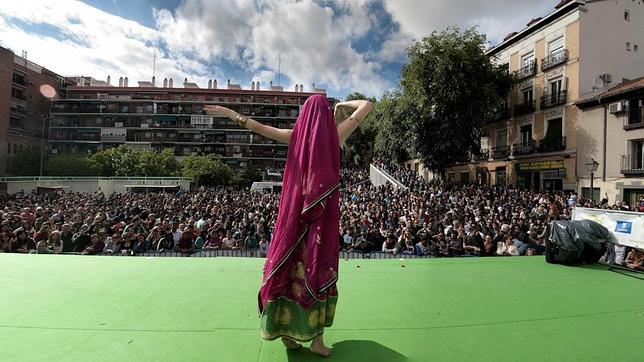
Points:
[(286, 318)]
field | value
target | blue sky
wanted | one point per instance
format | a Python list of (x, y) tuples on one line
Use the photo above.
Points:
[(343, 45)]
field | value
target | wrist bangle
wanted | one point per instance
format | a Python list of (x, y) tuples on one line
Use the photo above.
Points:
[(241, 120)]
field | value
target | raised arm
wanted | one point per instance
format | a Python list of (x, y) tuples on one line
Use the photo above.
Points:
[(348, 125), (277, 134)]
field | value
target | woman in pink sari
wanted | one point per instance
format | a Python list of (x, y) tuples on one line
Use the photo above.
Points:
[(298, 295)]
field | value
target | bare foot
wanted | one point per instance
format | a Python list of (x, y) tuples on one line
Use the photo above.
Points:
[(291, 344), (318, 347)]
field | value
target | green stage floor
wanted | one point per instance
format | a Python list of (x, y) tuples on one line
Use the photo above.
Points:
[(81, 308)]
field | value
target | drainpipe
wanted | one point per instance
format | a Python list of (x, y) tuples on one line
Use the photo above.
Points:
[(604, 156)]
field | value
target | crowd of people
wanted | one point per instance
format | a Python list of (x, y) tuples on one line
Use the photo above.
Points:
[(424, 219)]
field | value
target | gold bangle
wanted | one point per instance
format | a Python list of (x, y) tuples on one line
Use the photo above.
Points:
[(241, 120)]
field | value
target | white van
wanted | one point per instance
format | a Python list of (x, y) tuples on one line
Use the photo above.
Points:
[(266, 186)]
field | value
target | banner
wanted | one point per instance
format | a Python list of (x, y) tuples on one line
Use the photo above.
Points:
[(627, 228), (540, 165)]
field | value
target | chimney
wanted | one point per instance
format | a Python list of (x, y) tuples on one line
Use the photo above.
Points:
[(120, 81), (252, 85), (170, 83), (125, 82), (228, 83), (314, 87), (296, 87), (257, 86), (109, 80), (209, 83), (301, 88), (185, 81), (154, 81), (165, 82), (214, 84), (270, 85)]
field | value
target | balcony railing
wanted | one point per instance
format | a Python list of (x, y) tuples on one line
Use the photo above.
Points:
[(524, 148), (527, 70), (524, 108), (500, 152), (484, 155), (632, 165), (554, 59), (552, 144), (554, 99)]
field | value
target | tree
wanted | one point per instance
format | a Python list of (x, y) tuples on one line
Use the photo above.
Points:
[(207, 170), (358, 147), (392, 120), (25, 162), (251, 174), (452, 88), (69, 165), (117, 161), (157, 163)]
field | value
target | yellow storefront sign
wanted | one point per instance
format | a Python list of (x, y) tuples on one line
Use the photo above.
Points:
[(541, 165)]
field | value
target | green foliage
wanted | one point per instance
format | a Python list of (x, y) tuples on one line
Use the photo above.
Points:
[(69, 165), (358, 148), (25, 163), (207, 170), (158, 163), (450, 90), (392, 121), (250, 175), (125, 161)]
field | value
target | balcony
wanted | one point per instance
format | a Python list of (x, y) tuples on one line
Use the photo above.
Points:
[(632, 165), (554, 99), (524, 108), (554, 59), (18, 107), (526, 148), (500, 152), (552, 144), (484, 155), (527, 70)]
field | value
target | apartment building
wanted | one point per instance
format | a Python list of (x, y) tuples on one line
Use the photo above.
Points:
[(578, 50), (614, 121), (91, 117), (23, 109)]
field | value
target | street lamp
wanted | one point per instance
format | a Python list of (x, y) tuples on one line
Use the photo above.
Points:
[(592, 166)]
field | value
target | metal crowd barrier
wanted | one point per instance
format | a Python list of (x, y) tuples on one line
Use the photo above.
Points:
[(259, 254)]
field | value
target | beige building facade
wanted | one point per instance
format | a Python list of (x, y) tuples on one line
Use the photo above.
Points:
[(568, 55), (614, 122)]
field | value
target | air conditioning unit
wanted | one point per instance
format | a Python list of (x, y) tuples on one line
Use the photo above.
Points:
[(617, 107)]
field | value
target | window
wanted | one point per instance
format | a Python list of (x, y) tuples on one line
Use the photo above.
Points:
[(628, 46), (556, 45), (8, 148), (634, 159), (527, 59), (526, 135), (502, 138), (627, 15), (635, 111), (528, 96), (635, 47)]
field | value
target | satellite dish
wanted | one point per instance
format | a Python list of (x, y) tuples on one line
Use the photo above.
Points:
[(47, 91)]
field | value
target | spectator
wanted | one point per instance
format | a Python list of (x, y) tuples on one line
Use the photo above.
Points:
[(55, 243)]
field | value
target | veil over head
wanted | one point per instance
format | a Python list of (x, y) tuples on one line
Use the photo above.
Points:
[(309, 208)]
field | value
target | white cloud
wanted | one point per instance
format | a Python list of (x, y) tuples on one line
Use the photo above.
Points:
[(495, 18), (314, 40)]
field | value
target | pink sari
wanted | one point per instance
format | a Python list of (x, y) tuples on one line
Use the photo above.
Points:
[(298, 294)]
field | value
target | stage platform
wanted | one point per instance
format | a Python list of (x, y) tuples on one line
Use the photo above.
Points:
[(84, 308)]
